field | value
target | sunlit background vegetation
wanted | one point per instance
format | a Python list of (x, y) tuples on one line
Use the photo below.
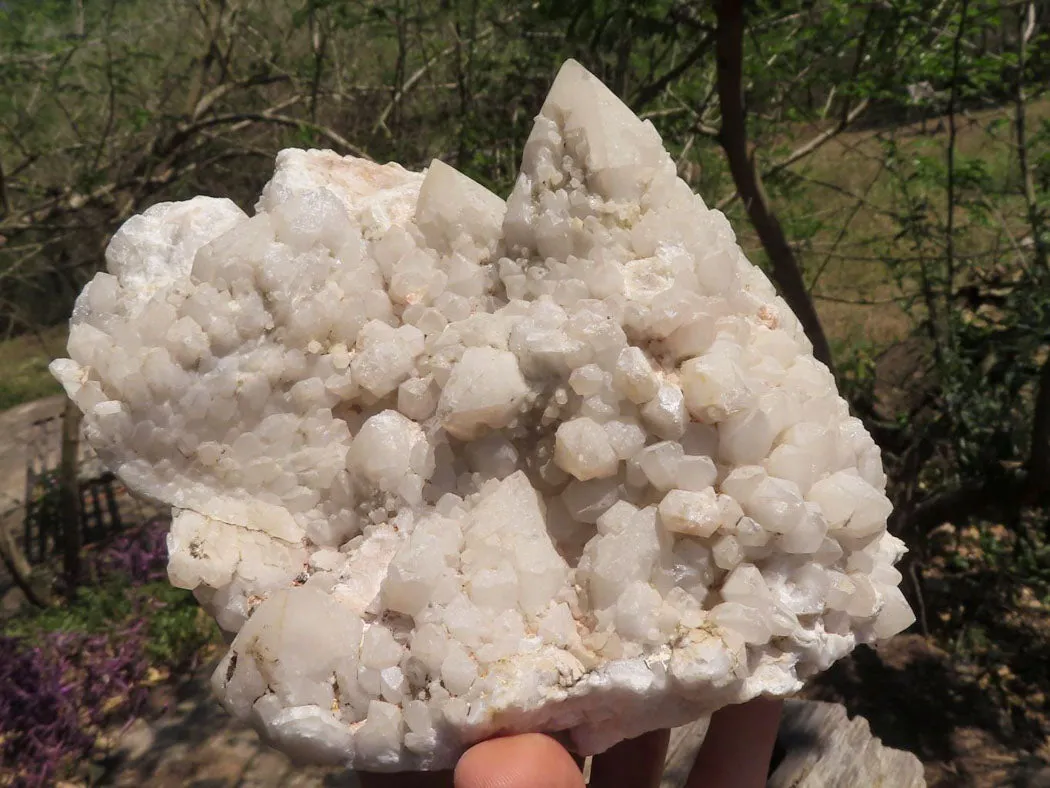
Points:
[(901, 148)]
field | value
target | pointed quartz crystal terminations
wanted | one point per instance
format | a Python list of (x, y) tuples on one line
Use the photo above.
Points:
[(445, 467)]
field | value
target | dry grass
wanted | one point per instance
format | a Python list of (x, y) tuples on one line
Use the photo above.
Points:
[(861, 270)]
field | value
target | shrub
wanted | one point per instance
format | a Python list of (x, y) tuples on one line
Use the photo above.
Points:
[(141, 556), (57, 696), (70, 671)]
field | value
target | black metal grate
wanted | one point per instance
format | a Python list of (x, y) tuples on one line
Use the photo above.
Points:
[(100, 515)]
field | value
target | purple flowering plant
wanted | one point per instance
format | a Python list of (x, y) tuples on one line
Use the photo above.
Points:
[(71, 672)]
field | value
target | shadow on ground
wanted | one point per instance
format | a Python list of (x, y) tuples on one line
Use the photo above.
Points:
[(916, 698), (195, 744)]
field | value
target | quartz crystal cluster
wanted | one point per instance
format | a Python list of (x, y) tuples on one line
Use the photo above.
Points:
[(445, 467)]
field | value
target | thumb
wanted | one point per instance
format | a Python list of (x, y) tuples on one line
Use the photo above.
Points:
[(531, 760)]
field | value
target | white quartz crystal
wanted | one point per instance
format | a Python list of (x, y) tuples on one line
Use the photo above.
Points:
[(446, 467)]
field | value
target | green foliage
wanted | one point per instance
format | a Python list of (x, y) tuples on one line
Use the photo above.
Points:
[(176, 629), (857, 371), (94, 609)]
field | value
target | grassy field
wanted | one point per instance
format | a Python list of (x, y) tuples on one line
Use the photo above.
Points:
[(847, 209), (23, 366)]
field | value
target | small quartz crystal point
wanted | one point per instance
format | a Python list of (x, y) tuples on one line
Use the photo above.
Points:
[(445, 467)]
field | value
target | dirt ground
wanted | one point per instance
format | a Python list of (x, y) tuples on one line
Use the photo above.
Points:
[(917, 698), (911, 693)]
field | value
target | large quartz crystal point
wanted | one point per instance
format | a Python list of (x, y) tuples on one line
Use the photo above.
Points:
[(444, 467)]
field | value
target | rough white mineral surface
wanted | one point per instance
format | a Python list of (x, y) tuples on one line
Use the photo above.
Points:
[(448, 467)]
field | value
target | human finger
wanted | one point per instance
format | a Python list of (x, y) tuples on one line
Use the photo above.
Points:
[(738, 746), (531, 760), (634, 763)]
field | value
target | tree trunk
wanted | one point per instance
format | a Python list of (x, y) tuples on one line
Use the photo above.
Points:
[(729, 48), (69, 490), (1039, 454), (78, 7), (1026, 27)]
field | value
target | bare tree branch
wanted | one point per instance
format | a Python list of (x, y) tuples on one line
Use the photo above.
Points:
[(817, 142), (953, 133), (650, 92), (806, 149), (158, 156), (15, 561), (861, 201), (409, 83), (208, 100), (421, 72), (284, 120), (5, 204)]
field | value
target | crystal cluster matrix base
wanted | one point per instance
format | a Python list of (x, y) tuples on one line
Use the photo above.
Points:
[(446, 466)]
